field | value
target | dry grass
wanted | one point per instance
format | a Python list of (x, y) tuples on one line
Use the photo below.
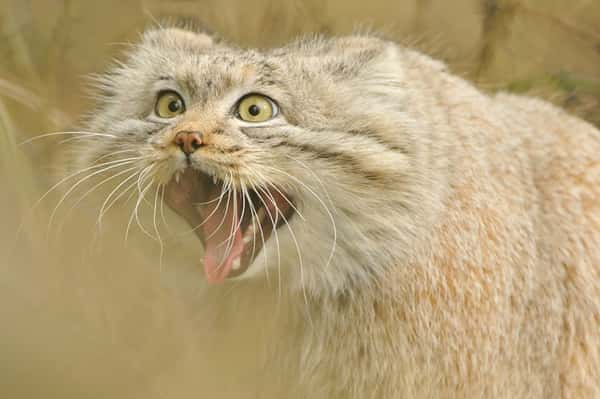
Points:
[(87, 315)]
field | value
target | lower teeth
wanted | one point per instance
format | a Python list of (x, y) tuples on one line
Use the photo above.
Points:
[(248, 235)]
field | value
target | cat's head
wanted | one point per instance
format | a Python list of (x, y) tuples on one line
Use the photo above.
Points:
[(300, 159)]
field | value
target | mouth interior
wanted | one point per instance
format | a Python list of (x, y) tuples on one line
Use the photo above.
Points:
[(232, 225)]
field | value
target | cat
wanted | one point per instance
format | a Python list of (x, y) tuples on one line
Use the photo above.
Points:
[(373, 226)]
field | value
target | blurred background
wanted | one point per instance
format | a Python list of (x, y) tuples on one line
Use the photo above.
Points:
[(86, 314)]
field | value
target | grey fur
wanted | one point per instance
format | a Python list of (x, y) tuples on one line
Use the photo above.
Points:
[(467, 253)]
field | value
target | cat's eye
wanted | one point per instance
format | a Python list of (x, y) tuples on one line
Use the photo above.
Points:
[(256, 108), (169, 104)]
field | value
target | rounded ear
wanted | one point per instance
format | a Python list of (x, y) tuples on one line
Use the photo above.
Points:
[(349, 55), (177, 37)]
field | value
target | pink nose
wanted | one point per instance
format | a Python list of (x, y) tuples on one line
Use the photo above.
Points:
[(189, 142)]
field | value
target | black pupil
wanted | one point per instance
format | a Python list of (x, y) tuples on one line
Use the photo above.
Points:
[(254, 110), (174, 105)]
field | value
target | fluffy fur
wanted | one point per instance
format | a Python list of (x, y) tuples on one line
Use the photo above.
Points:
[(449, 244)]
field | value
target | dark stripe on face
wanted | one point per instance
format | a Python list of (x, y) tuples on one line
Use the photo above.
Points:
[(231, 150), (369, 134), (234, 149), (372, 135), (341, 159)]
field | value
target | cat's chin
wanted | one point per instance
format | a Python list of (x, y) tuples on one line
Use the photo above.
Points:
[(233, 225)]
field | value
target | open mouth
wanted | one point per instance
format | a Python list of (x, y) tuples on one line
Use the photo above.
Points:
[(233, 226)]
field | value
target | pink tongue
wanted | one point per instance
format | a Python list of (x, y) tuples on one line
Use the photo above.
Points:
[(223, 237)]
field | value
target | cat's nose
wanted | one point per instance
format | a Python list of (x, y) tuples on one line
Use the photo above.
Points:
[(189, 142)]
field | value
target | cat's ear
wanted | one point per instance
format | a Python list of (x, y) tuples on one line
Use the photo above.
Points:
[(178, 37), (348, 56)]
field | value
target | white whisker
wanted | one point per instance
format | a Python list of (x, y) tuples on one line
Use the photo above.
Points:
[(224, 191), (95, 187), (317, 178), (141, 194), (289, 202), (239, 223), (162, 208), (159, 238), (256, 223), (104, 208), (111, 154), (86, 134), (274, 231), (222, 219), (300, 262), (54, 187), (82, 180), (325, 207)]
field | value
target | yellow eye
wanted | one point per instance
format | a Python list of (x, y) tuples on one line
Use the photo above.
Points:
[(169, 104), (256, 108)]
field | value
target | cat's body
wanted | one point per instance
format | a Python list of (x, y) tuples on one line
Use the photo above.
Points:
[(467, 227)]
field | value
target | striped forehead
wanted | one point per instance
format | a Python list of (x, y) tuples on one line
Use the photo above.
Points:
[(203, 75)]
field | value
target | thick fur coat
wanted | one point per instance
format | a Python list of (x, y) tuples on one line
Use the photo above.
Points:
[(449, 244)]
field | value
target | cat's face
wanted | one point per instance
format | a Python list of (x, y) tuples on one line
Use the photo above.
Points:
[(297, 159)]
